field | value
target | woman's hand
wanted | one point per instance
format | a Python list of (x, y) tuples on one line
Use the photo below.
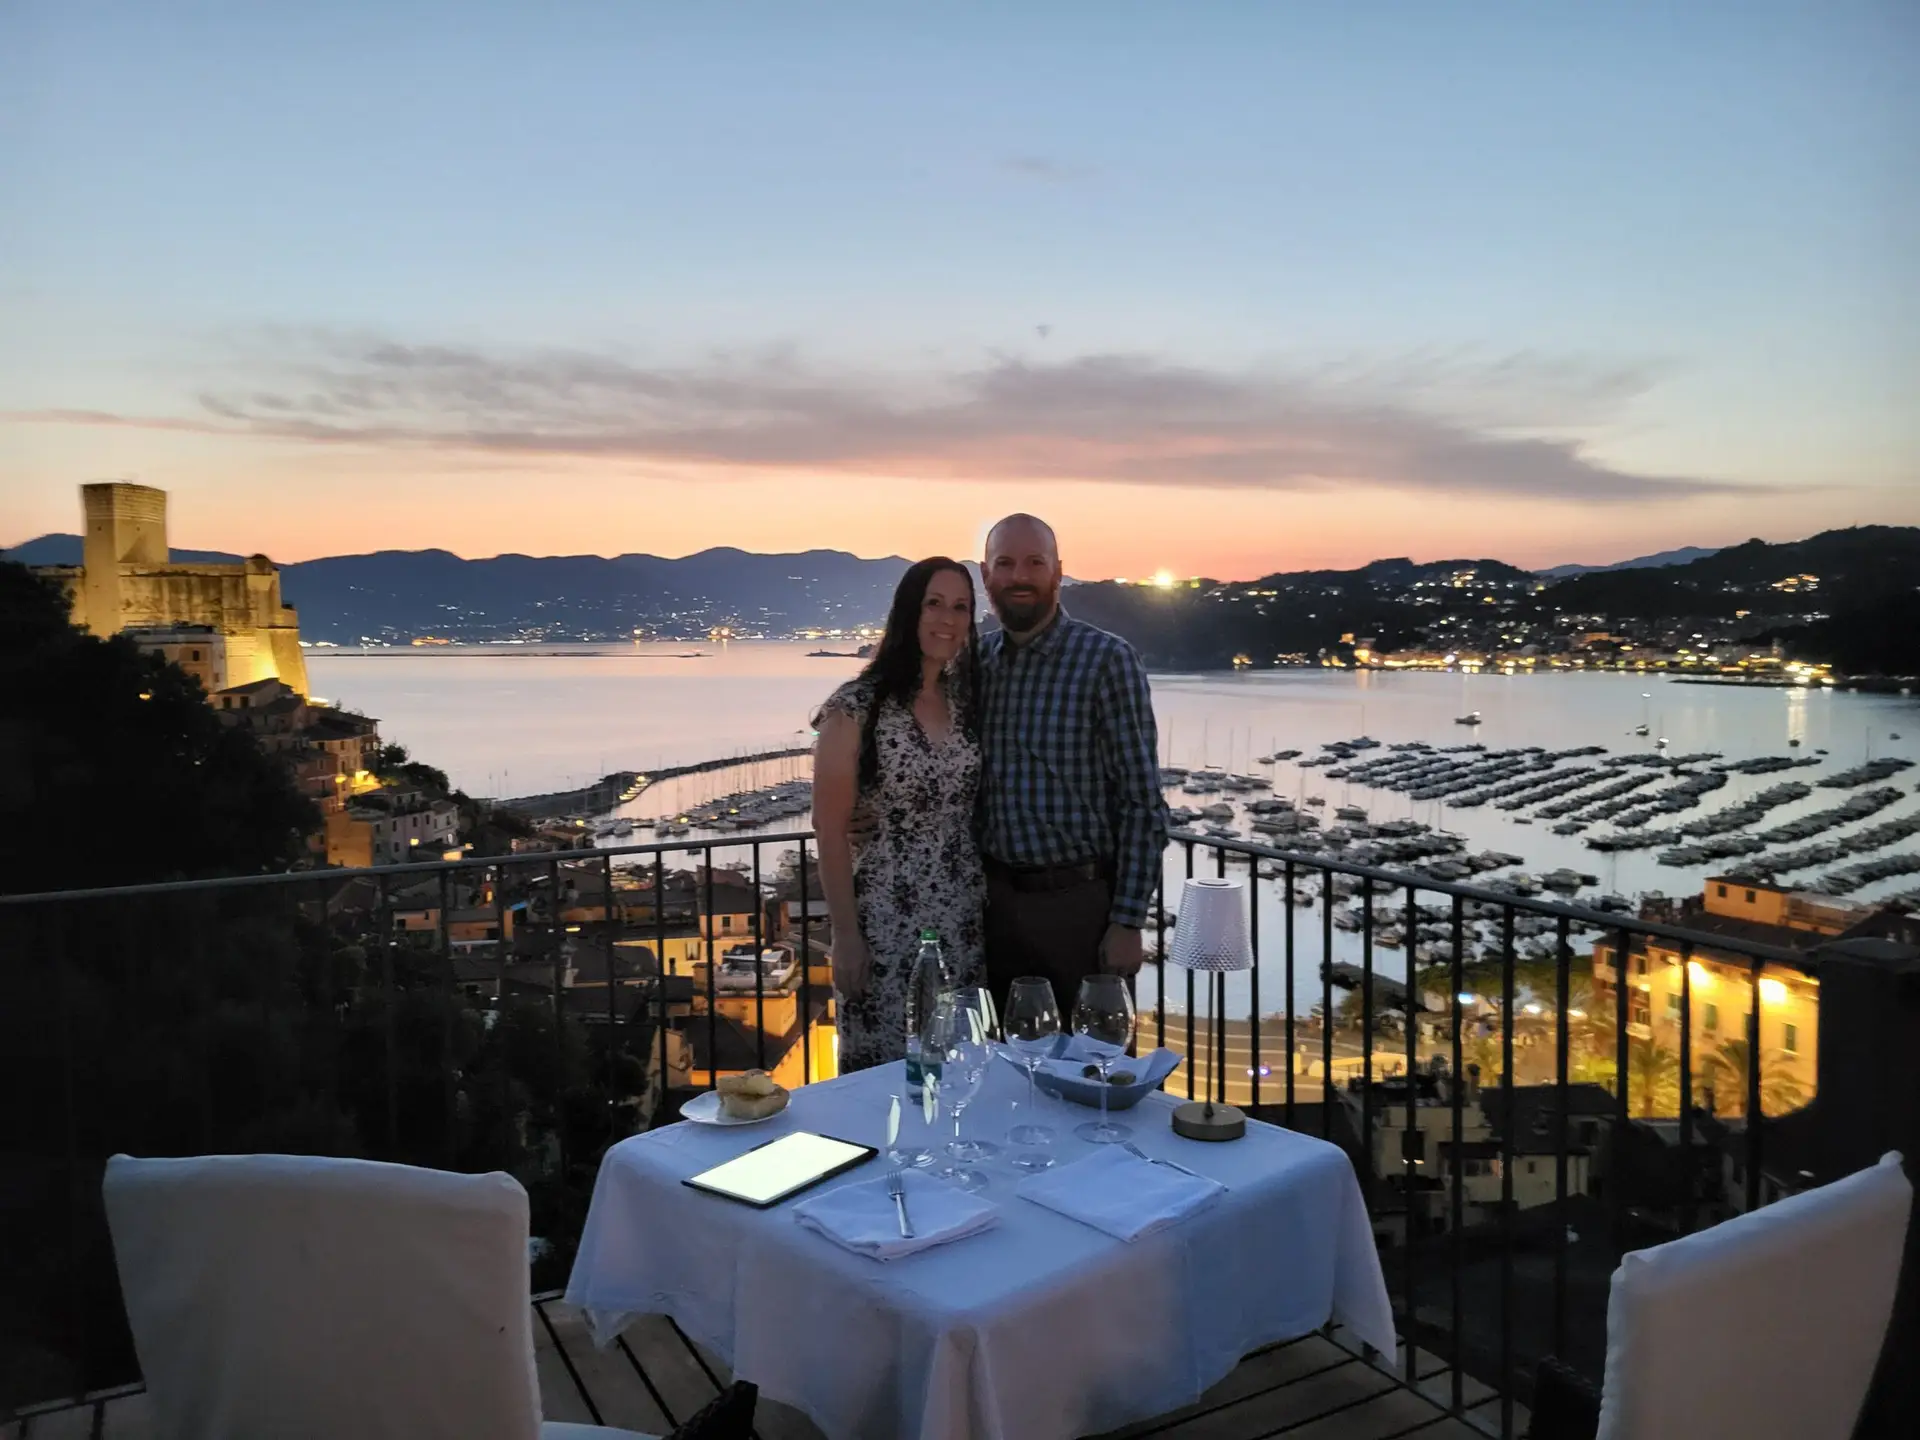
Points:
[(852, 963)]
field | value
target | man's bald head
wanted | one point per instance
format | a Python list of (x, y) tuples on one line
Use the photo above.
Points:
[(1022, 571), (1022, 531)]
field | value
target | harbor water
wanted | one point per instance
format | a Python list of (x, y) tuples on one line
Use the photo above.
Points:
[(515, 720)]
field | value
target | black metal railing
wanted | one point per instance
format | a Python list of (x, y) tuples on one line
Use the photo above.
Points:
[(525, 1012)]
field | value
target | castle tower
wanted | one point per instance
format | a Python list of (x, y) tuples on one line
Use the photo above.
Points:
[(125, 525), (129, 582)]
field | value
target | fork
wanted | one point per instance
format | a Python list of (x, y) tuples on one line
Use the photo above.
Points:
[(1135, 1150), (897, 1188)]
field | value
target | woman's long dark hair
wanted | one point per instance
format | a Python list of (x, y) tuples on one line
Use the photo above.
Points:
[(894, 671)]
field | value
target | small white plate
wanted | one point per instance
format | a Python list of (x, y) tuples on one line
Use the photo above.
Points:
[(704, 1109)]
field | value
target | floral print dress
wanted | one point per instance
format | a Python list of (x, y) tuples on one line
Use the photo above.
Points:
[(919, 870)]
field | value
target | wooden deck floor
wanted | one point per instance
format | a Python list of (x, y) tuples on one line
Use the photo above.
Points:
[(652, 1378)]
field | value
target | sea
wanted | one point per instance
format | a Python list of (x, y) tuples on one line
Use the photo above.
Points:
[(519, 720)]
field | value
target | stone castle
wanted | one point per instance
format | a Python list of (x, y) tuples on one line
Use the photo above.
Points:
[(127, 581)]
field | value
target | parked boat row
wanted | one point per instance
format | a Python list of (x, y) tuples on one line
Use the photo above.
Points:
[(1768, 764), (1685, 795), (745, 810), (1588, 804), (1867, 774), (1748, 812), (1845, 882), (1858, 808), (1861, 842)]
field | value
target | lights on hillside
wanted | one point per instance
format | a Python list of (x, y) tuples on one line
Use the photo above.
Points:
[(1163, 580)]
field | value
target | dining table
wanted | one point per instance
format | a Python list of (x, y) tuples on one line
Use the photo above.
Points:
[(1043, 1318)]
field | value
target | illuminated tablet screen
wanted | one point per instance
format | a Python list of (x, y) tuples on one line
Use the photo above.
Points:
[(781, 1168)]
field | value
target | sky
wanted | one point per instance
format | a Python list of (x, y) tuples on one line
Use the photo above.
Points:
[(1216, 287)]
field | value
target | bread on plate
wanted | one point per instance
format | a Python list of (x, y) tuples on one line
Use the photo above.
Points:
[(752, 1096)]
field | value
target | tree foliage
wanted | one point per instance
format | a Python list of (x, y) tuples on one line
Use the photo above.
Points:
[(99, 741)]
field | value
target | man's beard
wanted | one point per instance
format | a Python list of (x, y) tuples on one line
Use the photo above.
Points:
[(1021, 613)]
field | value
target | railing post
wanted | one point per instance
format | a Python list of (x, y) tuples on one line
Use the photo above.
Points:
[(1328, 1097), (1455, 1248), (1253, 982), (1413, 1137), (759, 974), (660, 971), (1563, 968), (1508, 1095), (806, 974), (1622, 1115), (1287, 904)]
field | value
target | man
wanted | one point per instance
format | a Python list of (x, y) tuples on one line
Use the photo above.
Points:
[(1072, 822)]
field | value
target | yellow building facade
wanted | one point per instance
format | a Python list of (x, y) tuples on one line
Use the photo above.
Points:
[(1720, 990)]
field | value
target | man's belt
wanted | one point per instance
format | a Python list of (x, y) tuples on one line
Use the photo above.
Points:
[(1049, 877)]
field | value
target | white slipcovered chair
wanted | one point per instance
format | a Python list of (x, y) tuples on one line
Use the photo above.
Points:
[(1767, 1327), (299, 1296)]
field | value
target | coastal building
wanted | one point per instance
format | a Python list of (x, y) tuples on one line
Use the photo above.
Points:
[(200, 650), (1487, 1113), (391, 827), (1721, 987), (127, 580), (330, 752), (467, 927)]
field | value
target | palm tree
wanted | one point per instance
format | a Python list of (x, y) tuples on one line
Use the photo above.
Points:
[(1653, 1079), (1779, 1090)]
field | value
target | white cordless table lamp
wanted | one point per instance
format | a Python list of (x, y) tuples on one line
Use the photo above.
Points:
[(1211, 939)]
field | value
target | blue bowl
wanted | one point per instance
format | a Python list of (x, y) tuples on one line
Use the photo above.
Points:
[(1149, 1072)]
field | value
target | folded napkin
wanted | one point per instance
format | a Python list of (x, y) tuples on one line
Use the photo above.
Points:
[(1078, 1053), (1120, 1193), (863, 1218)]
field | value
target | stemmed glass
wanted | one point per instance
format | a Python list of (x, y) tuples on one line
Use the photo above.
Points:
[(1103, 1019), (1032, 1027), (965, 1056), (973, 1008)]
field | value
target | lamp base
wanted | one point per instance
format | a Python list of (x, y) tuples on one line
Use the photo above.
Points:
[(1192, 1121)]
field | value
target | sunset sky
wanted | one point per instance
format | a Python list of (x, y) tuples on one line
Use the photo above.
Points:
[(1219, 287)]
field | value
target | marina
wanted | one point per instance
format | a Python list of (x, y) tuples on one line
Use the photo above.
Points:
[(1806, 785)]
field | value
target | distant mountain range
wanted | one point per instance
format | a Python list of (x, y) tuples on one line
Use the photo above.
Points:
[(1685, 555), (65, 550), (395, 596)]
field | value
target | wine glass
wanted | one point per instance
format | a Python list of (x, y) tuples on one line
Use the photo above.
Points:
[(973, 1006), (1032, 1027), (965, 1057), (1103, 1019)]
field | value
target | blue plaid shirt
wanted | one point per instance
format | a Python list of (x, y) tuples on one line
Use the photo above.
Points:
[(1072, 756)]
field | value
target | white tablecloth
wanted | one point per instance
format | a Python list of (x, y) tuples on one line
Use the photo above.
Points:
[(1038, 1329)]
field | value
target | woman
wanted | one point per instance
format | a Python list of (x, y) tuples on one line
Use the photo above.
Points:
[(900, 743)]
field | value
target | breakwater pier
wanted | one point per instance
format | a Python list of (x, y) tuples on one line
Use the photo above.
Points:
[(623, 785)]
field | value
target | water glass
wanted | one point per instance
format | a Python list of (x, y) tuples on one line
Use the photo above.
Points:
[(1032, 1028), (1103, 1019)]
